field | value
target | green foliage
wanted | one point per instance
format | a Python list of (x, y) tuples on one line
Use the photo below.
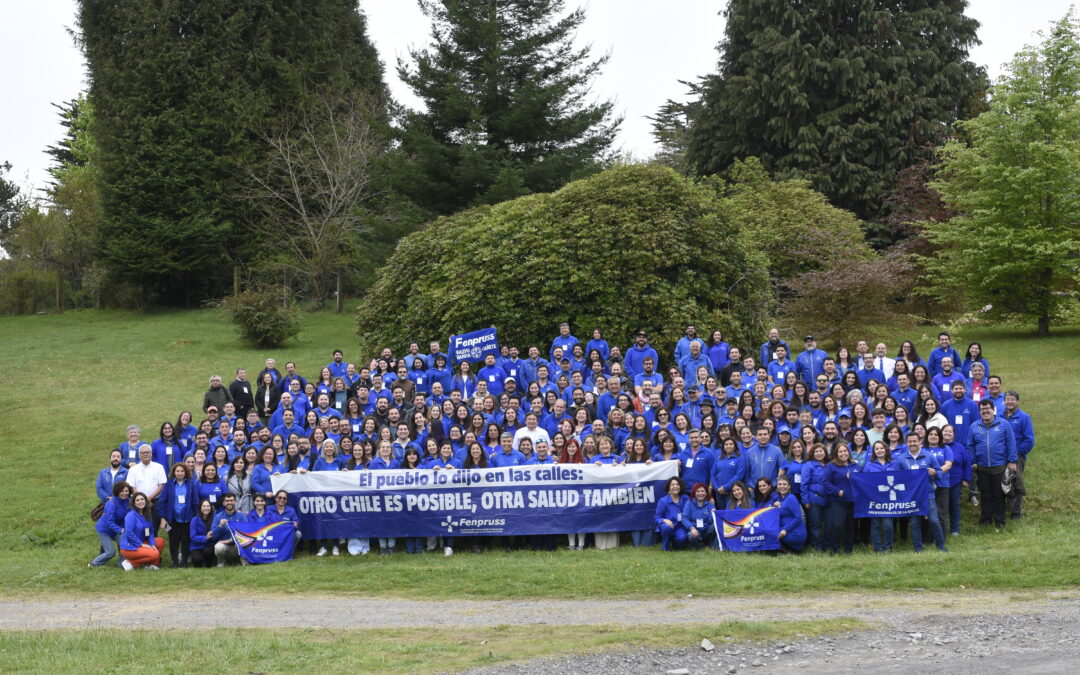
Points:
[(261, 317), (843, 94), (507, 109), (1012, 180), (794, 226), (183, 90), (11, 203), (633, 247)]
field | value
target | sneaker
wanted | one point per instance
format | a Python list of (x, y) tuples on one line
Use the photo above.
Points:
[(126, 564), (152, 567), (336, 551), (581, 547), (221, 564), (91, 565), (974, 499), (956, 534), (243, 562), (448, 551), (321, 552)]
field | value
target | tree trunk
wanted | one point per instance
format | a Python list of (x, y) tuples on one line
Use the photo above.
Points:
[(285, 288), (236, 280), (337, 300), (1044, 325), (59, 292)]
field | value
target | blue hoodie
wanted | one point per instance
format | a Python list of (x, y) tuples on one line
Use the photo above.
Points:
[(600, 346), (634, 361)]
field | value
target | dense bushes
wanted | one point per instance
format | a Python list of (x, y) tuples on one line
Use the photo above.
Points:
[(261, 317), (633, 247)]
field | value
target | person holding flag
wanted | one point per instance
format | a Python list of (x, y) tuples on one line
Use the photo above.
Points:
[(881, 529), (792, 533), (913, 458)]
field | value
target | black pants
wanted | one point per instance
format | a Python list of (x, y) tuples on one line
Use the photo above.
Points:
[(992, 499), (203, 557), (179, 543), (1016, 499), (840, 526)]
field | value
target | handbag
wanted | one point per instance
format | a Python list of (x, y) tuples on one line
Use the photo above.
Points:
[(95, 513)]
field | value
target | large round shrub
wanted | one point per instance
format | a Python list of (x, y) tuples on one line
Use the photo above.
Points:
[(633, 247)]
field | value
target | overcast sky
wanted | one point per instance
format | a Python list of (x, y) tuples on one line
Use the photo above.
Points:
[(653, 44)]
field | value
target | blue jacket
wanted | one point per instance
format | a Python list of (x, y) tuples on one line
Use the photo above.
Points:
[(600, 346), (814, 487), (942, 384), (872, 374), (494, 376), (421, 380), (321, 464), (162, 455), (961, 465), (178, 503), (793, 470), (288, 515), (791, 521), (567, 343), (727, 469), (718, 354), (212, 491), (529, 366), (925, 460), (992, 444), (933, 362), (667, 509), (696, 468), (137, 531), (105, 482), (198, 531), (943, 455), (260, 478), (808, 364), (379, 464), (500, 459), (634, 359), (221, 532), (838, 479), (906, 398), (111, 521), (682, 348), (763, 462), (961, 415), (550, 459), (767, 352), (877, 467), (778, 371), (1024, 433), (692, 512)]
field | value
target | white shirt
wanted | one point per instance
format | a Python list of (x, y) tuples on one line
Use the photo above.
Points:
[(885, 365), (146, 478), (536, 435)]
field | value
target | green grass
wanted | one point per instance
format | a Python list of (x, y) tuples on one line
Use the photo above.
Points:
[(73, 382), (381, 650)]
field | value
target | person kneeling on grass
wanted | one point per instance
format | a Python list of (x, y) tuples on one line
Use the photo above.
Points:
[(697, 514), (224, 546), (110, 526), (140, 545), (669, 516)]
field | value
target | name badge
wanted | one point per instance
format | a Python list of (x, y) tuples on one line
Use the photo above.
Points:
[(959, 419), (146, 532), (168, 452), (690, 463), (680, 518), (181, 499), (798, 478), (131, 453), (682, 446), (491, 378), (513, 372), (945, 387), (419, 380), (245, 390), (212, 498), (700, 523)]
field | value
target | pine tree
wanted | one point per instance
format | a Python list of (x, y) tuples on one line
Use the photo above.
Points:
[(507, 109), (845, 94), (183, 93)]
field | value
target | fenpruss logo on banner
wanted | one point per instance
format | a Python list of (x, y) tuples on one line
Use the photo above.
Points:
[(892, 487)]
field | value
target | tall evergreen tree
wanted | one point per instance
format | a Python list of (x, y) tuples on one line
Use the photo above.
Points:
[(843, 93), (507, 104), (183, 92)]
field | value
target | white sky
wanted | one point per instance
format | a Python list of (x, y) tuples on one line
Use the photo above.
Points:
[(653, 44)]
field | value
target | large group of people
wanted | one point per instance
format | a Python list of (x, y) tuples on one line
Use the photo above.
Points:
[(753, 427)]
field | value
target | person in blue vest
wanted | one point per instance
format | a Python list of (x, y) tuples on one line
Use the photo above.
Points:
[(697, 517), (634, 361), (764, 459), (914, 458), (114, 473), (563, 340), (669, 516), (960, 411), (176, 507), (943, 350), (810, 362), (991, 444), (768, 351), (792, 528), (1024, 434), (110, 526)]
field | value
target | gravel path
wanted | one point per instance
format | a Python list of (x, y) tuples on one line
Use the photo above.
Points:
[(914, 632)]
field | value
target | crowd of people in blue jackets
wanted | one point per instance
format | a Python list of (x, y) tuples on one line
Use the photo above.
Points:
[(750, 427)]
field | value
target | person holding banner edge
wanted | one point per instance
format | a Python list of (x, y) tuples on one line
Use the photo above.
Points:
[(912, 459)]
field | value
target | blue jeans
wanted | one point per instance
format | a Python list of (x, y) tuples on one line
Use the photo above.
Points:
[(935, 527), (109, 546), (706, 536), (840, 526), (414, 544), (881, 534), (387, 543), (643, 537), (954, 508), (815, 525)]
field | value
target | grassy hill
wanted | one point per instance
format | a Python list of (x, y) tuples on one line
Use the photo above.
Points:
[(74, 381)]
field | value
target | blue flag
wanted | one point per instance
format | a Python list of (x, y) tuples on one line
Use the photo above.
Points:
[(748, 529), (890, 494), (474, 346), (264, 543)]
